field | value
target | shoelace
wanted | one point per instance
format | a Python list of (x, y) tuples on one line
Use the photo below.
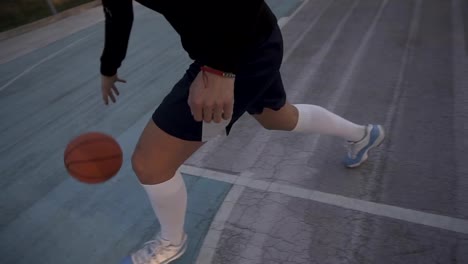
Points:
[(351, 150), (149, 251), (351, 147)]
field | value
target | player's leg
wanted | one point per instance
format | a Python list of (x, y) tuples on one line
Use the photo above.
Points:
[(310, 119), (155, 161), (274, 113), (175, 135), (169, 139)]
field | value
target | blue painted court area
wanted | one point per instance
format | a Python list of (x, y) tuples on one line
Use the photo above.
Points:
[(205, 196), (283, 8), (78, 223)]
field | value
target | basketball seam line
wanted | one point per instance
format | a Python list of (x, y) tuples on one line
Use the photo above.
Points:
[(91, 160)]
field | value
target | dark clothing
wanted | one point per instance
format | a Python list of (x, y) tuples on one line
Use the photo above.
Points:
[(258, 85), (216, 33)]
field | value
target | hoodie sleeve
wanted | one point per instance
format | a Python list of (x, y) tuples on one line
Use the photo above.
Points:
[(118, 24)]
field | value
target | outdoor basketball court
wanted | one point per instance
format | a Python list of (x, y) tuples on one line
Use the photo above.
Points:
[(256, 197)]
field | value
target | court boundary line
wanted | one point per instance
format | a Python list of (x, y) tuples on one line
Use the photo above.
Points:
[(244, 180), (378, 209)]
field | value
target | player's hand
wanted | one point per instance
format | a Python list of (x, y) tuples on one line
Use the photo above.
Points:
[(211, 97), (109, 90)]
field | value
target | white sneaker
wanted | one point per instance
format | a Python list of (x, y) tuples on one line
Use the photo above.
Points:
[(358, 151), (158, 251)]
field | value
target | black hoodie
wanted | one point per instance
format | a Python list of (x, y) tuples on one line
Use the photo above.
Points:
[(217, 33)]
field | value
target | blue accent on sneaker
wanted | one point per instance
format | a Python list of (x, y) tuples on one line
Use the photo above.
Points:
[(375, 137)]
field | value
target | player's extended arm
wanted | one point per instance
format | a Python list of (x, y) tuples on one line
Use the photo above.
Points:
[(118, 24)]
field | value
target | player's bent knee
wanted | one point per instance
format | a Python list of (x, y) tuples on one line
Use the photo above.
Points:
[(284, 119), (150, 172), (269, 125)]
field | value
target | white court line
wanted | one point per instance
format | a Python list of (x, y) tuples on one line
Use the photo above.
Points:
[(213, 236), (306, 31), (284, 20), (390, 211), (43, 60)]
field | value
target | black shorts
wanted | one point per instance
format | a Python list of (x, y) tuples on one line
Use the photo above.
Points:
[(258, 85)]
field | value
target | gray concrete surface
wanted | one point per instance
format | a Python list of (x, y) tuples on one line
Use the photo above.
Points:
[(23, 40), (400, 63), (397, 72), (403, 64), (302, 231)]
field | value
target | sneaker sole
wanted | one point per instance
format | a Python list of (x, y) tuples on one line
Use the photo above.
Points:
[(178, 255), (376, 143)]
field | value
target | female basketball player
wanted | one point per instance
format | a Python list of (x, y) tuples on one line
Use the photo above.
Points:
[(237, 50)]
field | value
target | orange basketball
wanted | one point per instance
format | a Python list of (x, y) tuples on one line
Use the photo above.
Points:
[(93, 157)]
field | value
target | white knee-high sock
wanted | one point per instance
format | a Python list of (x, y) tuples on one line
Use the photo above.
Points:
[(169, 202), (316, 119)]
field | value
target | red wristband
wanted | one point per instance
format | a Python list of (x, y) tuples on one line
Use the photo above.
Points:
[(218, 72)]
